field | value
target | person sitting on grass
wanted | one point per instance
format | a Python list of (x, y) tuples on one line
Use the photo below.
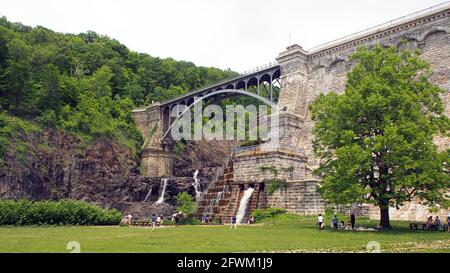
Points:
[(335, 222), (320, 221), (448, 222), (429, 224), (342, 225)]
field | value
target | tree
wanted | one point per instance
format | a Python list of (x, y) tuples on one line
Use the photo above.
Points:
[(375, 140), (186, 204)]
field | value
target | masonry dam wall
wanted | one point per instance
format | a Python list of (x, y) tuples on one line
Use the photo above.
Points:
[(305, 75)]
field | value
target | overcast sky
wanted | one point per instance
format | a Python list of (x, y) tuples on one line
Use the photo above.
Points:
[(222, 33)]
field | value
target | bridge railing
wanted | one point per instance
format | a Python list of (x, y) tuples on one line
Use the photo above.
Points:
[(259, 68), (370, 30)]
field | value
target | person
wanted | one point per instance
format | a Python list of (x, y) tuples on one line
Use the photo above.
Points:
[(252, 220), (220, 220), (158, 221), (352, 220), (342, 225), (153, 222), (335, 222), (233, 222), (429, 223), (320, 221), (448, 222), (129, 216), (177, 218), (203, 219), (437, 223)]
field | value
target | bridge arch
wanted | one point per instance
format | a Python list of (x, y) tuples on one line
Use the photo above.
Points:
[(226, 92)]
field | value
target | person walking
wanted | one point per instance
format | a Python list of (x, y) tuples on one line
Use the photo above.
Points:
[(233, 222), (154, 219), (335, 222), (320, 221)]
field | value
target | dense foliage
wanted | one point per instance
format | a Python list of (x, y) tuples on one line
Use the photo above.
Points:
[(186, 204), (376, 139), (260, 214), (87, 83), (63, 212)]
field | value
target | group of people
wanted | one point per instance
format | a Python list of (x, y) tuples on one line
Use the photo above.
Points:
[(436, 224), (336, 224)]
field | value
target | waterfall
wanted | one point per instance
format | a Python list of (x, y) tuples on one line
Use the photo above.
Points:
[(244, 204), (196, 185), (148, 195), (161, 197)]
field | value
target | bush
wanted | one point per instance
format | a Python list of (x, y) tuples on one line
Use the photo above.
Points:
[(190, 221), (260, 214), (276, 184), (63, 212), (186, 204)]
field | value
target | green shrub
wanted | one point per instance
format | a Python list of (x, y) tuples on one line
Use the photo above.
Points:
[(276, 184), (190, 221), (63, 212), (260, 214), (186, 204)]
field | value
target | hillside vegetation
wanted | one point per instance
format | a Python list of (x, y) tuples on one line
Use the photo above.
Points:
[(84, 84)]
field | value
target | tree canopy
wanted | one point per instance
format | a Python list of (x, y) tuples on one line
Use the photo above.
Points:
[(88, 83), (375, 140)]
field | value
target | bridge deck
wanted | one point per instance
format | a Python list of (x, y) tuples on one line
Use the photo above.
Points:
[(222, 84)]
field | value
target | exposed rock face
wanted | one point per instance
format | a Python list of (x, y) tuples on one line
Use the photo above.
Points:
[(206, 156), (57, 165)]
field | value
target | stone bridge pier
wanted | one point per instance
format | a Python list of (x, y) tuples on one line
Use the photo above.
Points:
[(156, 158)]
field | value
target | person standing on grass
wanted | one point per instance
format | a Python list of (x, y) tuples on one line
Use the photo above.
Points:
[(320, 221), (233, 222), (335, 222), (437, 223), (352, 220), (153, 222)]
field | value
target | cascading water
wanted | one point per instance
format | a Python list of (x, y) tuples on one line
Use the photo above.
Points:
[(244, 204), (148, 195), (196, 185), (161, 197)]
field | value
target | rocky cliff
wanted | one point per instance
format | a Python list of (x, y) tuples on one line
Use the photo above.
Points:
[(56, 165)]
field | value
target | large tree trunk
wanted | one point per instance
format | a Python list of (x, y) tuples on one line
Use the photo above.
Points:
[(384, 215)]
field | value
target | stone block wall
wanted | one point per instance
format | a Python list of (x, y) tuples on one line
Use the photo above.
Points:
[(299, 197), (305, 75)]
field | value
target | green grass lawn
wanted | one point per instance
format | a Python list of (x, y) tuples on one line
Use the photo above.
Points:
[(286, 233)]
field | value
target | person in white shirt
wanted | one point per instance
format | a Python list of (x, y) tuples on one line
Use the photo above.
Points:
[(320, 221)]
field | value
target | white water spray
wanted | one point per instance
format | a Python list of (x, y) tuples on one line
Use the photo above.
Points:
[(244, 204), (161, 197), (196, 185), (148, 195)]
